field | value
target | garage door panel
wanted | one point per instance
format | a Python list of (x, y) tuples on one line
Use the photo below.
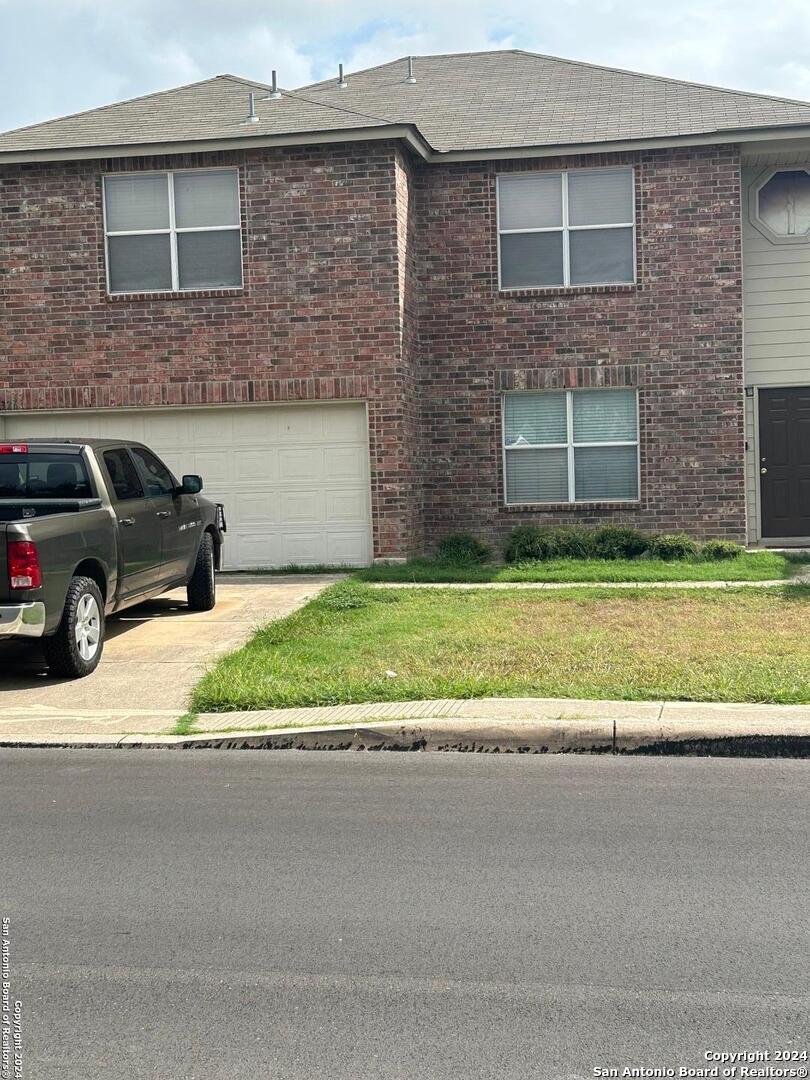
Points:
[(207, 427), (171, 430), (294, 479), (255, 507), (215, 468), (301, 425), (347, 505), (344, 424), (344, 462), (302, 547), (253, 552), (298, 507), (342, 546), (302, 464), (250, 467)]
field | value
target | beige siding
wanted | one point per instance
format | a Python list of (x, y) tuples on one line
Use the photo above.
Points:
[(776, 292)]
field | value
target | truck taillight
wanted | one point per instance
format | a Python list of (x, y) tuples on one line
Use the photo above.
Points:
[(13, 448), (23, 565)]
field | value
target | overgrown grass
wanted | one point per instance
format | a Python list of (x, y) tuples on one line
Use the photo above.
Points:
[(355, 644), (185, 724), (750, 566)]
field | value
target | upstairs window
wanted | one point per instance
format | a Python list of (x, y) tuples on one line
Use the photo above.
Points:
[(170, 231), (571, 446), (566, 228), (780, 206)]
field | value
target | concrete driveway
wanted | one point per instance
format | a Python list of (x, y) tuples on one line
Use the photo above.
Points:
[(153, 656)]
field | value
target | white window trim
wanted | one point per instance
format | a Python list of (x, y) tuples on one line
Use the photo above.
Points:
[(566, 229), (570, 446), (172, 231)]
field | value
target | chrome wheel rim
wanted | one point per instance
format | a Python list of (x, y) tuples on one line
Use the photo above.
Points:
[(88, 627)]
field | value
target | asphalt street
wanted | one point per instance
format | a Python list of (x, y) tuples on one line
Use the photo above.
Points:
[(293, 915)]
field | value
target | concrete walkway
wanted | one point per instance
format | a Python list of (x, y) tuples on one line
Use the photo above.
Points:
[(545, 723)]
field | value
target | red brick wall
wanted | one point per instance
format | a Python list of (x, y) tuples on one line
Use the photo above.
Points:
[(319, 317), (371, 276), (676, 335)]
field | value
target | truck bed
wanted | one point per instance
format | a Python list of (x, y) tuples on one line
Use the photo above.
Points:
[(22, 510)]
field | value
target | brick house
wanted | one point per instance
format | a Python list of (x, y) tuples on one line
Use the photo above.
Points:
[(453, 293)]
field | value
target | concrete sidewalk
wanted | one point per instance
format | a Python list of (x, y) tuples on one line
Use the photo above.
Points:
[(508, 724)]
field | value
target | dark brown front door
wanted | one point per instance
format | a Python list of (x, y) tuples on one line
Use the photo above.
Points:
[(784, 449)]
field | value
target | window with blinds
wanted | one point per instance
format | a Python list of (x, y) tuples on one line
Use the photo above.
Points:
[(170, 231), (568, 228), (571, 446)]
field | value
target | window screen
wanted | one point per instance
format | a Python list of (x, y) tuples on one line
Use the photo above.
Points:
[(570, 228), (169, 231), (571, 446)]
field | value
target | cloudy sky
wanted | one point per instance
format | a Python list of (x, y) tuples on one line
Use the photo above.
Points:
[(61, 56)]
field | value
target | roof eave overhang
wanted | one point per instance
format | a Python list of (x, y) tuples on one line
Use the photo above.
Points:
[(411, 136), (407, 133), (703, 138)]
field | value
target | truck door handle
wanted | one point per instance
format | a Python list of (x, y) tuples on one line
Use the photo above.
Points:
[(126, 521), (163, 513)]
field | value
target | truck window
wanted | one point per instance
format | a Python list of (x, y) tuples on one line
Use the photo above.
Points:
[(44, 475), (159, 481), (123, 475)]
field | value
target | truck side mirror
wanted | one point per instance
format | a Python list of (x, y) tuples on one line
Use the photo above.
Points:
[(192, 484)]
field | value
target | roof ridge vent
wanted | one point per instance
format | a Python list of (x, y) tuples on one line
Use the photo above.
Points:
[(275, 93), (341, 78), (411, 77)]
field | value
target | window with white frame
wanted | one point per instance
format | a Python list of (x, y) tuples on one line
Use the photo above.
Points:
[(170, 231), (566, 228), (571, 446)]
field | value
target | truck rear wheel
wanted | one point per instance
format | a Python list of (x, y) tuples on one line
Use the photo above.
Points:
[(75, 649), (202, 586)]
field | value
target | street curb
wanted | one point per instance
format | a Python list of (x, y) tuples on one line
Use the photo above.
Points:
[(779, 737)]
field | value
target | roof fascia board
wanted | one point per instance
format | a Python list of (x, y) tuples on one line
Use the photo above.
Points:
[(411, 135), (407, 132), (735, 135)]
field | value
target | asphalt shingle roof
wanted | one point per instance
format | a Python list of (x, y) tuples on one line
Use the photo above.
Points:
[(464, 101)]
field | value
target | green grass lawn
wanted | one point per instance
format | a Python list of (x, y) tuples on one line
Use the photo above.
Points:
[(750, 566), (355, 643)]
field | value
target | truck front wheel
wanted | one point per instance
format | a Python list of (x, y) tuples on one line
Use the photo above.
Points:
[(75, 649), (202, 586)]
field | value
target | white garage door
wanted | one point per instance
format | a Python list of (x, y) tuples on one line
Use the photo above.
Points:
[(294, 478)]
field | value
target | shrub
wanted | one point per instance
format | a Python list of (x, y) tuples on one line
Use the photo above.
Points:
[(572, 541), (528, 543), (463, 548), (618, 542), (671, 546), (720, 549)]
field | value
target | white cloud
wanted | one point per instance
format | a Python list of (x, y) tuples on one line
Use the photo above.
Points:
[(59, 56)]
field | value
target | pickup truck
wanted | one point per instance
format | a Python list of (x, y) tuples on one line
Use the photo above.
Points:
[(89, 527)]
